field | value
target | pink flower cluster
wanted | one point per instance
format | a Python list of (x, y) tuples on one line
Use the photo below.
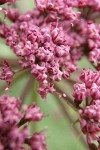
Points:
[(89, 92), (44, 43), (94, 45), (89, 87), (7, 73), (6, 1), (90, 122), (12, 137), (51, 38)]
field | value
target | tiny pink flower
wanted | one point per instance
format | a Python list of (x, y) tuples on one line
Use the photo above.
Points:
[(38, 141), (33, 113), (7, 73)]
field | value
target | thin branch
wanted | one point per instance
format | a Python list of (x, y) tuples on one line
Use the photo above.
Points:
[(92, 146), (26, 89), (65, 112), (12, 62), (16, 78), (67, 98)]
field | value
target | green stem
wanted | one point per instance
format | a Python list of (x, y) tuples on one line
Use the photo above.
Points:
[(34, 96), (67, 98), (65, 112), (26, 89)]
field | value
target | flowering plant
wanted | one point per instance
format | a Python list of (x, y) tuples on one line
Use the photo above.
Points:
[(55, 47)]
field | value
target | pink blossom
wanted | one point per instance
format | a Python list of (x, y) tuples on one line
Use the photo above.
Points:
[(7, 73), (13, 14), (33, 113), (38, 141), (11, 119), (79, 92), (5, 1)]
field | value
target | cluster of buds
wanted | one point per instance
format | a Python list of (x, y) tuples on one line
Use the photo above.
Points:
[(14, 128), (7, 73), (88, 92), (43, 43), (6, 1)]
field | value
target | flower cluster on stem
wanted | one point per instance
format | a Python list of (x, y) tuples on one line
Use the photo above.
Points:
[(49, 41), (14, 128)]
